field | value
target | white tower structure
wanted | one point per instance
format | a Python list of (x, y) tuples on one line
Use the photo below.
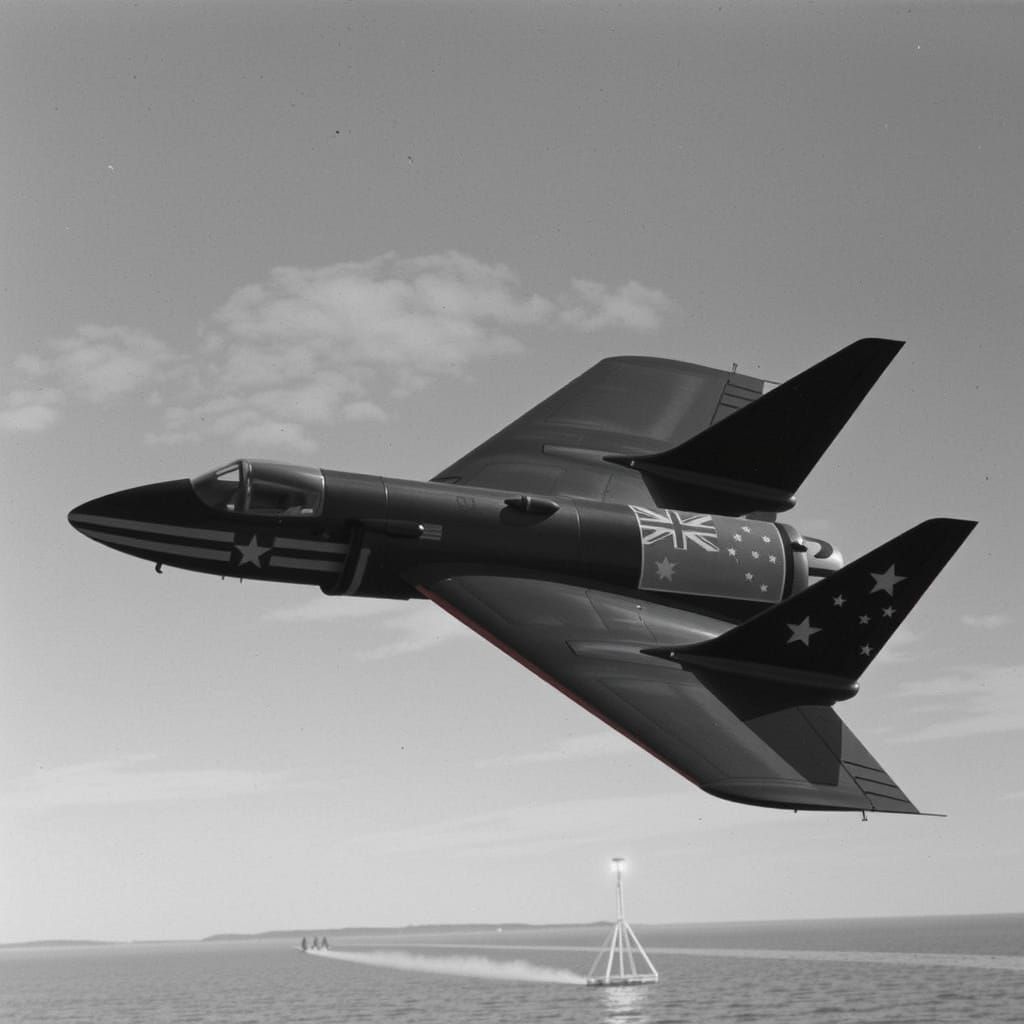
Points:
[(622, 960)]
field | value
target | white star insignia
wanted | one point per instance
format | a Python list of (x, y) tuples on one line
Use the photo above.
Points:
[(865, 619), (886, 580), (772, 559), (867, 649), (767, 540), (665, 568), (755, 554), (764, 587), (888, 612), (802, 631), (737, 536), (745, 529), (251, 553), (732, 551), (749, 576), (839, 600)]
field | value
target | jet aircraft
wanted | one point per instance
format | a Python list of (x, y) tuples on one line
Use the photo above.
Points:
[(621, 540)]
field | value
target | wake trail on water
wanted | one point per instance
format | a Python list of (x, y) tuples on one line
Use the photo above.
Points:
[(464, 966)]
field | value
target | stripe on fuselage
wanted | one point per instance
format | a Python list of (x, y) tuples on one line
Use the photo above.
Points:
[(159, 547), (141, 526)]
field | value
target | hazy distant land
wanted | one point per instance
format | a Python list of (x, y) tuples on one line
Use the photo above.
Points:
[(409, 929), (956, 926)]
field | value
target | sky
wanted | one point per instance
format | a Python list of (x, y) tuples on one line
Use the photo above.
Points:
[(366, 236)]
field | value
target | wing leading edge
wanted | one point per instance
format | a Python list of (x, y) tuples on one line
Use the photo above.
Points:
[(763, 735)]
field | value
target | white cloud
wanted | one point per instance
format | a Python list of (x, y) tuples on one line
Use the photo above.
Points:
[(99, 363), (975, 701), (122, 782), (994, 621), (316, 345), (31, 410), (593, 307)]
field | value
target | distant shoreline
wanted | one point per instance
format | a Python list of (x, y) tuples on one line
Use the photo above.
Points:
[(296, 934)]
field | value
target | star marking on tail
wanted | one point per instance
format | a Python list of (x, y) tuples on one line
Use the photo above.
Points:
[(886, 580), (802, 631)]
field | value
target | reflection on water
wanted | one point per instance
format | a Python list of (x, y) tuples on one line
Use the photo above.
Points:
[(626, 1004)]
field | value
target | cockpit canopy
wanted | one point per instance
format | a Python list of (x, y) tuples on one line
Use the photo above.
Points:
[(262, 488)]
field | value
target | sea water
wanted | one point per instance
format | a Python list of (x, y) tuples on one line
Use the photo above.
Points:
[(894, 971)]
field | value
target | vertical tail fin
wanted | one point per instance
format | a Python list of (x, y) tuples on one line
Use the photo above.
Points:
[(759, 456), (826, 636)]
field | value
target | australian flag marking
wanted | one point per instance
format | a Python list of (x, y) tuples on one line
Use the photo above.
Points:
[(680, 554), (682, 528)]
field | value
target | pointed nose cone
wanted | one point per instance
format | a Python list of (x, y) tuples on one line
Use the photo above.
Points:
[(160, 522), (170, 502)]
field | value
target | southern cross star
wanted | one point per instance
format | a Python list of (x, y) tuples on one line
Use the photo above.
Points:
[(251, 553), (802, 631), (886, 580), (665, 568)]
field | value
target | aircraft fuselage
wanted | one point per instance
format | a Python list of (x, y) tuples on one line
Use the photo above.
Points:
[(373, 536)]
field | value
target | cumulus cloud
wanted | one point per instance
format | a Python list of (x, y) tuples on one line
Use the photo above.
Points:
[(95, 364), (592, 307), (99, 363), (315, 345), (29, 411)]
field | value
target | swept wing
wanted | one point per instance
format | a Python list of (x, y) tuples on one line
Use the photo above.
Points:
[(746, 714)]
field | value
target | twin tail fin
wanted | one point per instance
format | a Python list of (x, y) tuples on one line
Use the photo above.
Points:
[(757, 457)]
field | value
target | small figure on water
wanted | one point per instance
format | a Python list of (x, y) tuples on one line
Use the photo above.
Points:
[(304, 946)]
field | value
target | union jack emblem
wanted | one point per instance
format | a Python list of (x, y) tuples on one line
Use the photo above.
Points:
[(682, 528)]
